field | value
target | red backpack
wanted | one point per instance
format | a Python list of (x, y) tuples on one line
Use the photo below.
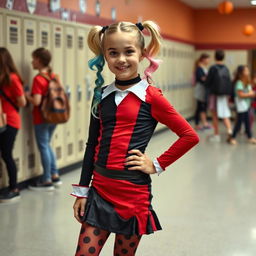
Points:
[(55, 107)]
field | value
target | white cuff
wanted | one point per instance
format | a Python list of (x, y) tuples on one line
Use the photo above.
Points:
[(80, 191), (159, 169)]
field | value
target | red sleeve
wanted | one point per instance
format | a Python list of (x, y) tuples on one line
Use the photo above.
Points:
[(165, 113), (17, 88), (39, 85)]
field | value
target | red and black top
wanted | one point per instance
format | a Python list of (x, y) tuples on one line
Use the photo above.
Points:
[(130, 125)]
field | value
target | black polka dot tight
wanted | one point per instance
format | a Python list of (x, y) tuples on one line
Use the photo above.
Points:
[(92, 240), (126, 245)]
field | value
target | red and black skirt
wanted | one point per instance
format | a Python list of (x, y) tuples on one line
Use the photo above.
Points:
[(120, 202)]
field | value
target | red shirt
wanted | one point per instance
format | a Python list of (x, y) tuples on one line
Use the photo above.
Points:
[(40, 86), (12, 91)]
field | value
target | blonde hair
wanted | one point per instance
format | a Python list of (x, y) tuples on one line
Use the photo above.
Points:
[(98, 35)]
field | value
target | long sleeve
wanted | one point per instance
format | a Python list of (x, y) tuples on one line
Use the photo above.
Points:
[(164, 112), (200, 75), (88, 161)]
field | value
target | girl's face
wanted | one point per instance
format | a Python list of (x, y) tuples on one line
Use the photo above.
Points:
[(246, 72), (36, 64), (123, 54), (206, 61)]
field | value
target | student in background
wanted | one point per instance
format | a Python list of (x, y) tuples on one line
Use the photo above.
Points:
[(200, 92), (11, 97), (43, 131), (243, 96), (219, 85)]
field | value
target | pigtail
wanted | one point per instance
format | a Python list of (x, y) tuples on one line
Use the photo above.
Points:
[(152, 49), (96, 64)]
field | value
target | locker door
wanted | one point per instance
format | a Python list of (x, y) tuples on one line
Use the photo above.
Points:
[(69, 82), (44, 35), (14, 45), (82, 106), (58, 68), (1, 31), (31, 156)]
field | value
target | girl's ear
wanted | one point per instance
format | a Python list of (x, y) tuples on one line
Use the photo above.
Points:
[(143, 54)]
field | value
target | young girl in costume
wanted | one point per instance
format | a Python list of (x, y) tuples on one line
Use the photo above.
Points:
[(124, 116)]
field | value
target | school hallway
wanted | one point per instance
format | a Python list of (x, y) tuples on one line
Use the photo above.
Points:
[(205, 203)]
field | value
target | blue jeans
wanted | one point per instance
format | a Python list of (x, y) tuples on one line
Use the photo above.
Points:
[(44, 134)]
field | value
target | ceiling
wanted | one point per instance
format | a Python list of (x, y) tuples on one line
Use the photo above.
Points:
[(214, 3)]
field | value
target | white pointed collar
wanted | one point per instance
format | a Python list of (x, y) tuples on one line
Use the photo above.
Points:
[(138, 89)]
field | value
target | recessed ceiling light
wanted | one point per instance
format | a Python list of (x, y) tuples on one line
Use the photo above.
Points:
[(253, 2)]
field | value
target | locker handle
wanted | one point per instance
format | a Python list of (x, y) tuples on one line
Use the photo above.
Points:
[(68, 91), (79, 93), (88, 88)]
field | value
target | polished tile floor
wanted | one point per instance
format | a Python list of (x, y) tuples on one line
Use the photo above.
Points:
[(206, 203)]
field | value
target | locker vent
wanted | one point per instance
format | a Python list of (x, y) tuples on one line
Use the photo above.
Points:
[(69, 41), (44, 37), (31, 161), (57, 40), (80, 43), (81, 145), (13, 35), (70, 149), (58, 153), (30, 37)]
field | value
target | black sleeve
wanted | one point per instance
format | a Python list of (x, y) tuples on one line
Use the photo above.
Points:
[(199, 75), (88, 162)]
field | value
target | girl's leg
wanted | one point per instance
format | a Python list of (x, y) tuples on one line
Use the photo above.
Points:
[(238, 124), (91, 240), (215, 122), (197, 114), (6, 145), (227, 123), (203, 116), (126, 245), (247, 125)]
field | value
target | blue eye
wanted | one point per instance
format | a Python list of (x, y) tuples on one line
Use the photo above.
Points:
[(129, 52), (112, 53)]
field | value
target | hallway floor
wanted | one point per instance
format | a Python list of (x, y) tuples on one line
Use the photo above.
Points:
[(206, 203)]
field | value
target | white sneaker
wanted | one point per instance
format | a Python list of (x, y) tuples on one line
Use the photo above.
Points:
[(214, 138)]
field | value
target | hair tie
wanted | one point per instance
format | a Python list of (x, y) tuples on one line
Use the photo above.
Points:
[(140, 26), (104, 29)]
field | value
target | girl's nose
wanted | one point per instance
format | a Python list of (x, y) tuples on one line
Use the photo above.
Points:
[(121, 58)]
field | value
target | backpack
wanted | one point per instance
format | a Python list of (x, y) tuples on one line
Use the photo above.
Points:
[(55, 106), (222, 84), (3, 119)]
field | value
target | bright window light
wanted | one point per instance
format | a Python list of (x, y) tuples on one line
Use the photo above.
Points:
[(253, 2)]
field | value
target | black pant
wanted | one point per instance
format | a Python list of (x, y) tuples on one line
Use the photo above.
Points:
[(201, 107), (7, 139), (242, 118)]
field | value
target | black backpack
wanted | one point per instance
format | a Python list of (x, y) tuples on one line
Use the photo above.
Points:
[(222, 84)]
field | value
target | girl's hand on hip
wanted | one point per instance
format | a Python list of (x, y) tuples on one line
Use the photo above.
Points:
[(141, 161), (79, 208)]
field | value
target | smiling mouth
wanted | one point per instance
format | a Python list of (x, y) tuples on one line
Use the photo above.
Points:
[(122, 68)]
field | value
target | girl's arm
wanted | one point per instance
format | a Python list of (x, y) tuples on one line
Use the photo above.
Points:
[(34, 99), (21, 101), (81, 190), (242, 94), (164, 112)]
